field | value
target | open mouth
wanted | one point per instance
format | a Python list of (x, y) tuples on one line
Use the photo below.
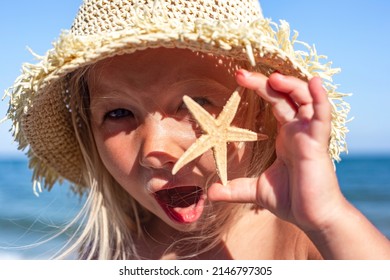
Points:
[(182, 204)]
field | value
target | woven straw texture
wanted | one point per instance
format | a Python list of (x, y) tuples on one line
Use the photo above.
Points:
[(103, 28)]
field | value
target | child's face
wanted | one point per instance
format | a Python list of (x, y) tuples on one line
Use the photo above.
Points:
[(141, 127)]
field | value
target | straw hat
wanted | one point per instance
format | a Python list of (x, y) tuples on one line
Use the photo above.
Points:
[(102, 28)]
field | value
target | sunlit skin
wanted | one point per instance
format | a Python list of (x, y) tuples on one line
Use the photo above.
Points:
[(141, 128)]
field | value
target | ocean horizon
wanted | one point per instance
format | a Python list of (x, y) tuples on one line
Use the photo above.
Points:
[(29, 222)]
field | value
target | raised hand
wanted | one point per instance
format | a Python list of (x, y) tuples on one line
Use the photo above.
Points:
[(301, 185)]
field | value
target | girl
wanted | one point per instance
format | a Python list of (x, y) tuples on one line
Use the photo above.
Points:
[(106, 109)]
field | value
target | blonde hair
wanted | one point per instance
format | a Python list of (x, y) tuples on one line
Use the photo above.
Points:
[(115, 219)]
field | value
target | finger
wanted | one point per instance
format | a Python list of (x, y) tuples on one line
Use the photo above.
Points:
[(322, 111), (261, 190), (283, 107), (267, 191), (297, 89), (243, 190), (321, 104)]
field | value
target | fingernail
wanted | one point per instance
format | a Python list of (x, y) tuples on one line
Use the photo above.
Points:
[(244, 73), (279, 75)]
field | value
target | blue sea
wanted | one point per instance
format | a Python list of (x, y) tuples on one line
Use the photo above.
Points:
[(26, 219)]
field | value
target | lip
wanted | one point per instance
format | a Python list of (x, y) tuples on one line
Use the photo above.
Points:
[(183, 204)]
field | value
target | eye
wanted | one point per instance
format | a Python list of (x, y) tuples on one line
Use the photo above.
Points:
[(118, 114)]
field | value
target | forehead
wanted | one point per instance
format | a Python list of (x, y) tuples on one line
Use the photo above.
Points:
[(173, 55), (152, 65)]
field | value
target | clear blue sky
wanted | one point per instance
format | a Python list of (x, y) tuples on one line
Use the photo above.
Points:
[(353, 34)]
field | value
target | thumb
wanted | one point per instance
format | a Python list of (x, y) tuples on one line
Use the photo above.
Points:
[(269, 191), (242, 190)]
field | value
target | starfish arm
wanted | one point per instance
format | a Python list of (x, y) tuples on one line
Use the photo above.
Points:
[(218, 133), (236, 134), (203, 118), (220, 157), (201, 145), (230, 109)]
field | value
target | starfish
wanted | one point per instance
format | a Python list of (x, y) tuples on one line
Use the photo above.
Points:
[(217, 133)]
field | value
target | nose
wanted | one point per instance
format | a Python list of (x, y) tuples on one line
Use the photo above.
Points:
[(161, 146)]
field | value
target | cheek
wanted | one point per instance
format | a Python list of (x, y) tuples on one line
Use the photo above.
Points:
[(117, 154), (239, 159)]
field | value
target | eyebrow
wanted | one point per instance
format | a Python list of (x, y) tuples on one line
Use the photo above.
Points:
[(204, 82), (102, 97)]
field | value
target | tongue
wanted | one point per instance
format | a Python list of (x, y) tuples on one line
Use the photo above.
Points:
[(182, 204)]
